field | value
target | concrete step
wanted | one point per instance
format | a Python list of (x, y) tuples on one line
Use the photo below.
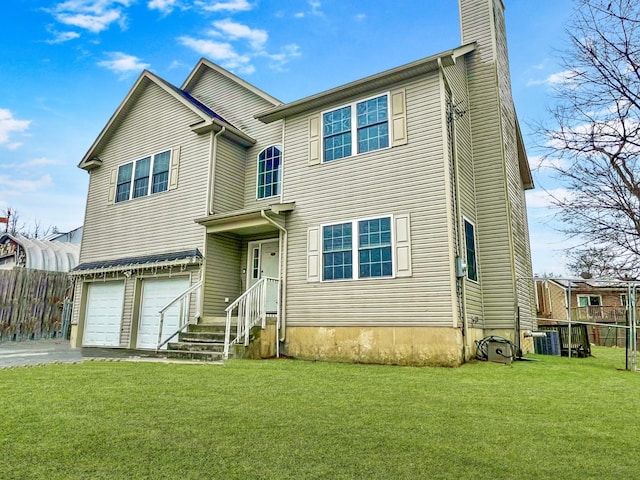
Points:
[(200, 355), (201, 337), (195, 347), (206, 328)]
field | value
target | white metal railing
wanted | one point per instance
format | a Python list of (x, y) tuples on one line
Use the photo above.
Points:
[(251, 308), (184, 299)]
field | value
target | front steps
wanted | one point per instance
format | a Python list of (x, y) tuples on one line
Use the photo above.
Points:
[(204, 342)]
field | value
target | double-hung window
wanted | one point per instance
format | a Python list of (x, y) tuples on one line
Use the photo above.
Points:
[(470, 244), (357, 249), (269, 162), (143, 177), (366, 121)]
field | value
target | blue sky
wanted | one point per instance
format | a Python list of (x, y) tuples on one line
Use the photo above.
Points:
[(65, 66)]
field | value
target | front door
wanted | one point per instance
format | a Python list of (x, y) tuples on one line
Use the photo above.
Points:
[(264, 261)]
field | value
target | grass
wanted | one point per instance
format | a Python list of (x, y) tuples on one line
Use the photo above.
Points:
[(282, 419)]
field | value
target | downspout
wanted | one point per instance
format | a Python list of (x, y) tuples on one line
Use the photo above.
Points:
[(213, 150), (283, 256)]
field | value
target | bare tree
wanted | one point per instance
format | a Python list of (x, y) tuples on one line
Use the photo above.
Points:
[(15, 226), (595, 137), (38, 230), (595, 262)]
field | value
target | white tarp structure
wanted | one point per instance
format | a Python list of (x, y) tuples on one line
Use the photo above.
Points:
[(42, 255)]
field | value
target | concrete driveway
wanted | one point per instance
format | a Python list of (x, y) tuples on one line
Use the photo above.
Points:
[(34, 352)]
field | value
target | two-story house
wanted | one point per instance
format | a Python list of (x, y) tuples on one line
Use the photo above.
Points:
[(384, 219)]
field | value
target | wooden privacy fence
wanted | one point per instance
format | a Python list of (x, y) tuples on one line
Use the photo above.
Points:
[(32, 304)]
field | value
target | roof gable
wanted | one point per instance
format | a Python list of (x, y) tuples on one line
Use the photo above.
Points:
[(205, 64), (146, 78)]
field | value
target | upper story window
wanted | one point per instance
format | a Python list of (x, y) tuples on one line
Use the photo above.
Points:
[(143, 177), (357, 249), (268, 184), (367, 121), (589, 300), (470, 244)]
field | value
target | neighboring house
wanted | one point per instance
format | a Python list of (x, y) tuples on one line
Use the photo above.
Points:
[(598, 301), (19, 251), (72, 236), (390, 211)]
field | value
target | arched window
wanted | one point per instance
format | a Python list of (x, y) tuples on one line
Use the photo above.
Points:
[(269, 172)]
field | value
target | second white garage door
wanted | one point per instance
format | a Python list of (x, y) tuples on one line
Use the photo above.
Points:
[(156, 293)]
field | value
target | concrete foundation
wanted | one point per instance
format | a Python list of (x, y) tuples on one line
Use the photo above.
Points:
[(437, 346)]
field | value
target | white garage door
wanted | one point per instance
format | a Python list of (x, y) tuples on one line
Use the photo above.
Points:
[(104, 314), (156, 293)]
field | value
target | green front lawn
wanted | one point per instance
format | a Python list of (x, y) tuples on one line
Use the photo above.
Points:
[(555, 418)]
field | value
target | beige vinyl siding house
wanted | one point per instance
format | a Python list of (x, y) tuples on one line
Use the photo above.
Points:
[(389, 211)]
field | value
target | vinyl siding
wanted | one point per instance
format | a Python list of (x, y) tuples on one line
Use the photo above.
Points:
[(157, 223), (406, 179), (491, 168), (521, 248), (229, 176), (128, 311), (238, 105), (457, 78), (223, 273)]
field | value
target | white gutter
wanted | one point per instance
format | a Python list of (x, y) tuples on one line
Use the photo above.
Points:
[(283, 257), (213, 150)]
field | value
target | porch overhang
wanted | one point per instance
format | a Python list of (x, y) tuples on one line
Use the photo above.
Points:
[(247, 222)]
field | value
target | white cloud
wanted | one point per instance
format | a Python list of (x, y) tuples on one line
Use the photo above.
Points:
[(92, 15), (9, 124), (360, 17), (61, 37), (221, 52), (26, 185), (233, 30), (122, 63), (545, 198), (14, 145), (165, 6), (542, 163), (314, 9), (278, 60), (558, 78), (228, 6), (35, 162)]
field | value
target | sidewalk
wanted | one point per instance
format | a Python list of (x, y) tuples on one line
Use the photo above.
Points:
[(35, 352), (40, 352)]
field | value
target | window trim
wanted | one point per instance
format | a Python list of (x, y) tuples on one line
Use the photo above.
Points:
[(475, 245), (355, 258), (354, 127), (132, 182), (279, 147), (588, 297)]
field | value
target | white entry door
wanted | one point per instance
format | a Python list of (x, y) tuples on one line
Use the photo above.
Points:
[(156, 293), (264, 261), (103, 314)]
